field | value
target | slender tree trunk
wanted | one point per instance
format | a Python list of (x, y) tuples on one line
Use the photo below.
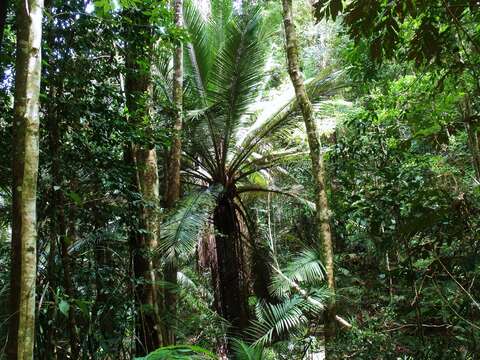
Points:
[(59, 227), (25, 171), (103, 312), (473, 144), (143, 158), (173, 183), (3, 19), (50, 345), (318, 170), (173, 187)]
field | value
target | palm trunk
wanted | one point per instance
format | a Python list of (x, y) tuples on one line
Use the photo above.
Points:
[(25, 171), (229, 284), (173, 182), (143, 159), (318, 170)]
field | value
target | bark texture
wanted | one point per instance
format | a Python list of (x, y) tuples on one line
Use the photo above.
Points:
[(173, 186), (25, 171), (318, 169), (228, 272), (143, 159)]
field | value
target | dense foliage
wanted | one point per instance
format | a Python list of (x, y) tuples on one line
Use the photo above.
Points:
[(395, 91)]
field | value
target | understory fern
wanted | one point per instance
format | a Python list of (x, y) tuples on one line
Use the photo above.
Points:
[(299, 286)]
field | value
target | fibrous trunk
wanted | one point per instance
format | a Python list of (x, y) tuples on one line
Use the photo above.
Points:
[(25, 170), (228, 275)]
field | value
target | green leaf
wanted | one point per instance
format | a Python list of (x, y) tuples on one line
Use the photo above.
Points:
[(75, 198), (64, 307), (181, 229), (180, 352), (82, 305)]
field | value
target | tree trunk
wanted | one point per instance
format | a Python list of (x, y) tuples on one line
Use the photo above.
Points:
[(59, 227), (173, 183), (318, 170), (25, 171), (3, 19), (143, 158), (227, 273), (473, 142), (50, 351), (103, 312)]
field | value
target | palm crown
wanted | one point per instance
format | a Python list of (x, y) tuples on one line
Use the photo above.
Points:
[(230, 145)]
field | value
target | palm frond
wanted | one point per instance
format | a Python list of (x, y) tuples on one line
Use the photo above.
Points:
[(268, 160), (304, 269), (243, 351), (199, 47), (181, 229), (221, 12), (276, 320), (323, 86), (180, 352), (238, 71), (274, 190)]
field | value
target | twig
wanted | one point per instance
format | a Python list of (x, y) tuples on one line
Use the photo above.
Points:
[(451, 308), (475, 302), (423, 325)]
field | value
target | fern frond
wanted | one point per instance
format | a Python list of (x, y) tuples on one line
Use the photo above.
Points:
[(276, 320), (238, 71), (304, 269), (180, 352), (181, 229), (243, 351)]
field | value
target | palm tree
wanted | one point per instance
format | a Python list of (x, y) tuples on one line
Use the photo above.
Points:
[(230, 146)]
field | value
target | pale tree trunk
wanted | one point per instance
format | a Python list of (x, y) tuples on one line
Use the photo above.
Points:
[(25, 171), (318, 169), (173, 182), (143, 158)]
